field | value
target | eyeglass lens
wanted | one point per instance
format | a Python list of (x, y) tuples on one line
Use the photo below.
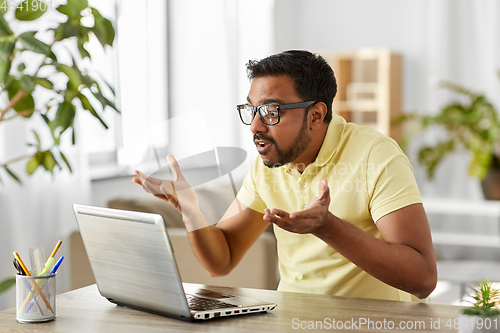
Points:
[(268, 113)]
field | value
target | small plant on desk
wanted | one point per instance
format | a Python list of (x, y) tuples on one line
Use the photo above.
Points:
[(486, 297), (483, 315)]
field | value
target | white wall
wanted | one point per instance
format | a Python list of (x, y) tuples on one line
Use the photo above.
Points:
[(455, 40), (345, 26)]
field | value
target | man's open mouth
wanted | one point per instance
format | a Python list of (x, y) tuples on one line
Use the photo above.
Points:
[(263, 146)]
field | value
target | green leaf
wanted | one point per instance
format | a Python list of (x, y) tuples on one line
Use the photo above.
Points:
[(30, 10), (68, 11), (4, 7), (104, 101), (32, 165), (70, 29), (6, 284), (430, 157), (26, 83), (87, 106), (66, 161), (4, 26), (9, 80), (110, 87), (44, 83), (13, 175), (6, 49), (81, 46), (26, 103), (73, 9), (64, 118), (74, 78), (103, 29), (49, 162), (79, 5), (73, 136), (30, 43), (37, 138), (46, 119), (84, 79)]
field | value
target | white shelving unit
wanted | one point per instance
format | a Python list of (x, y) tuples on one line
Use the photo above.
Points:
[(466, 272), (468, 208)]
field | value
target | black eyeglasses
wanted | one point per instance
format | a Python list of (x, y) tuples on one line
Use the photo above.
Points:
[(268, 113)]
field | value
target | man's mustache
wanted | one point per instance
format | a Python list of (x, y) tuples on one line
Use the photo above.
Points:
[(264, 137)]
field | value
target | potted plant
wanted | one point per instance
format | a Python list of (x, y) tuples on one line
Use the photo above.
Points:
[(482, 316), (472, 124), (19, 79), (65, 85), (6, 284)]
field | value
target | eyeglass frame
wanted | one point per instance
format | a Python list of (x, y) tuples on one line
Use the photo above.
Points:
[(256, 109)]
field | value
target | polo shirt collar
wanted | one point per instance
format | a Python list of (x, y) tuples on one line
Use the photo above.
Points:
[(329, 146), (331, 141)]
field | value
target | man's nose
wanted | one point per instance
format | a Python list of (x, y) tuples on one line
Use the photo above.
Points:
[(257, 125)]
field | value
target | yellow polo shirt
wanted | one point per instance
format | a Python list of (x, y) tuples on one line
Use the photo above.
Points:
[(368, 175)]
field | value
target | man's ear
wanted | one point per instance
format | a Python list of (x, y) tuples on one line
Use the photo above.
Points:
[(316, 115)]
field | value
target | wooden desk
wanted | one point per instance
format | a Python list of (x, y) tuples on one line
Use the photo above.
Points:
[(85, 310)]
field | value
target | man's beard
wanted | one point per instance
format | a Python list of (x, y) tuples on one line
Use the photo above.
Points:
[(299, 145)]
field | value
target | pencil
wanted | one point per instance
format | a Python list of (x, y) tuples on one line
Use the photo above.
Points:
[(50, 261), (56, 248), (35, 285)]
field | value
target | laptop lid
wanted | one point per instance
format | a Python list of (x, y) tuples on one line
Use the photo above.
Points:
[(132, 259), (134, 265)]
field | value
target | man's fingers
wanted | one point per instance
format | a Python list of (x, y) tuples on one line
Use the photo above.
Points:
[(301, 215), (280, 213), (137, 180), (174, 166), (154, 189), (325, 191), (142, 176), (274, 214), (167, 188)]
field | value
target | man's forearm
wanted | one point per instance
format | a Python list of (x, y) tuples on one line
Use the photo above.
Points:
[(209, 245), (398, 265)]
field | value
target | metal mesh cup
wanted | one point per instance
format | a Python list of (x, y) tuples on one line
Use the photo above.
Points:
[(35, 298)]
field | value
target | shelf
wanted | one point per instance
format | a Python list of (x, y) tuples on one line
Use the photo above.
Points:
[(454, 207), (462, 207), (368, 81), (441, 238)]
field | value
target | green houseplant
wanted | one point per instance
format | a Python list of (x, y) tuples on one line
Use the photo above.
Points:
[(482, 316), (472, 124), (81, 88), (19, 79)]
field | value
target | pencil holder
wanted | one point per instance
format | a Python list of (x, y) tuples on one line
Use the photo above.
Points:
[(35, 298)]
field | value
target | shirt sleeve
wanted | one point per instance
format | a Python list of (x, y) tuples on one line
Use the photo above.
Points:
[(249, 192), (390, 179)]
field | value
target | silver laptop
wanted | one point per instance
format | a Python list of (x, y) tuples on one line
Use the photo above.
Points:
[(134, 266)]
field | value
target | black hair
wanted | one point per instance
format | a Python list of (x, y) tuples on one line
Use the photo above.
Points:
[(314, 78)]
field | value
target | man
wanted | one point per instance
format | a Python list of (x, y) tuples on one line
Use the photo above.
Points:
[(345, 206)]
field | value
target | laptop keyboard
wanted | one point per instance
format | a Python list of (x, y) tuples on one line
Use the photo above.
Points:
[(202, 304)]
